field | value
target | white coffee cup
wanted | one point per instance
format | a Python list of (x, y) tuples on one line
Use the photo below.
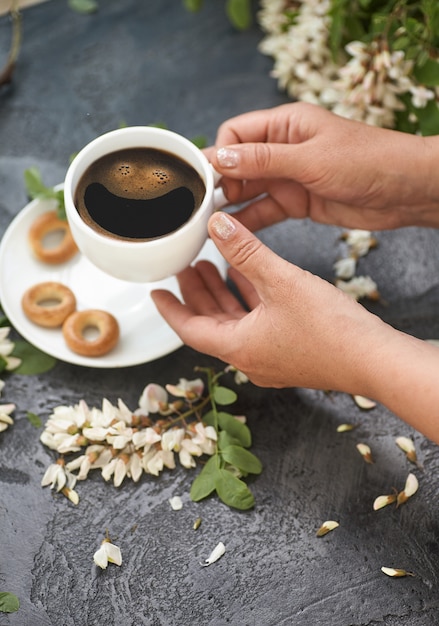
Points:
[(154, 259)]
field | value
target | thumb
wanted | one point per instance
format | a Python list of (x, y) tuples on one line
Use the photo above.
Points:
[(250, 161), (243, 251)]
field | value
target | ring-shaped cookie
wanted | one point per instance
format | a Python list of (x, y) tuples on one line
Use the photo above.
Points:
[(49, 222), (48, 304), (76, 324)]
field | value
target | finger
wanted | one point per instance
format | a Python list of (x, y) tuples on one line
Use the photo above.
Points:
[(203, 333), (247, 254), (255, 161), (206, 293), (196, 293)]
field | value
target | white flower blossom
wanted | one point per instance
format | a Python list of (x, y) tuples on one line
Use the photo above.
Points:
[(345, 268), (107, 553), (6, 347), (205, 438), (153, 397), (216, 554), (421, 96), (189, 389), (5, 416), (359, 287)]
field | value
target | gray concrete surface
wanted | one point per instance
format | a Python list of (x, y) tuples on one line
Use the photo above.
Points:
[(147, 62)]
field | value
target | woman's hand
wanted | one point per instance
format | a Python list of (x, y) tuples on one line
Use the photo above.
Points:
[(299, 330), (299, 160)]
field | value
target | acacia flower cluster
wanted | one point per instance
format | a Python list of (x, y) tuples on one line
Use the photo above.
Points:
[(372, 80), (9, 363), (126, 444), (358, 242)]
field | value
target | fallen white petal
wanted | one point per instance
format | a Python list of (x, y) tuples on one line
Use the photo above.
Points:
[(364, 403), (100, 558), (411, 485), (405, 444), (365, 452), (216, 553), (114, 554), (395, 572), (383, 501), (176, 503), (326, 527)]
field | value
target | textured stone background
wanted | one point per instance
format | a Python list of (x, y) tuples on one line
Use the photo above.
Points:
[(139, 63)]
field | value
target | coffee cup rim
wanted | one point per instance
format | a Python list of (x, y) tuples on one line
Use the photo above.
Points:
[(72, 178)]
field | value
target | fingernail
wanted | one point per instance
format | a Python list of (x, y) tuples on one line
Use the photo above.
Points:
[(222, 226), (227, 157)]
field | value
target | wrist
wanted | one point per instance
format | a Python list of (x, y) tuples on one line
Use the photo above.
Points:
[(402, 375)]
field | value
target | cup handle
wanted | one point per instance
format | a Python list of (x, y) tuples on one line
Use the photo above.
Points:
[(219, 199)]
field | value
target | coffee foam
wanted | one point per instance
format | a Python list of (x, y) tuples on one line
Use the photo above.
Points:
[(142, 174)]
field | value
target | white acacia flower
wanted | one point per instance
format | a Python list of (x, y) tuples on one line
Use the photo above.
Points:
[(6, 347), (382, 501), (145, 438), (96, 456), (67, 419), (95, 433), (120, 469), (172, 439), (406, 444), (58, 477), (134, 468), (359, 287), (153, 398), (410, 488), (107, 553), (205, 437), (345, 268), (359, 241), (5, 415), (421, 96), (216, 554), (240, 377), (119, 435), (176, 503), (108, 469), (154, 461), (68, 443), (189, 389), (186, 459)]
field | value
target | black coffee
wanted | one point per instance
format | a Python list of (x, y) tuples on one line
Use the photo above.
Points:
[(139, 193)]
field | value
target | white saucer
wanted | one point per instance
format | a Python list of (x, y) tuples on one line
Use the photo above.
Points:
[(145, 336)]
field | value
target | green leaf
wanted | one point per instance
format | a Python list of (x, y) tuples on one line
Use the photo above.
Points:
[(235, 428), (223, 395), (225, 439), (233, 491), (34, 185), (34, 419), (204, 483), (84, 6), (3, 364), (200, 141), (193, 5), (239, 13), (9, 603), (209, 418), (429, 119), (242, 459), (37, 189), (428, 73), (33, 360)]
